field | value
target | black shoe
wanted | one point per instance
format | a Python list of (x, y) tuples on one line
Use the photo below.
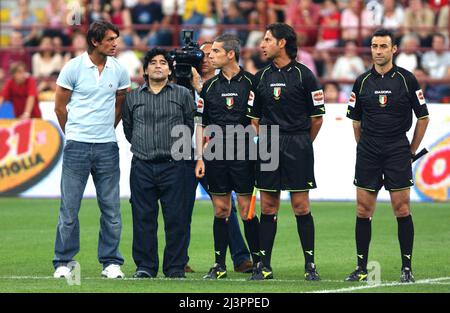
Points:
[(142, 274), (261, 272), (407, 276), (245, 267), (311, 273), (216, 272), (177, 275), (357, 275)]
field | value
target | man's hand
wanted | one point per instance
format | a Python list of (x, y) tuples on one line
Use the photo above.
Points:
[(200, 169), (196, 80)]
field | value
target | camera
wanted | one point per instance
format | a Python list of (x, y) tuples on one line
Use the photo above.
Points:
[(189, 55)]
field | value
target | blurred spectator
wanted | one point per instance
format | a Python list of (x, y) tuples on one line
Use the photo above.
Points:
[(24, 21), (437, 5), (256, 61), (348, 66), (442, 20), (21, 90), (430, 94), (276, 11), (78, 47), (233, 17), (246, 6), (333, 94), (329, 25), (147, 14), (437, 63), (15, 53), (409, 56), (129, 59), (46, 63), (303, 16), (350, 18), (97, 12), (209, 27), (257, 30), (419, 19), (120, 16), (55, 20), (303, 56), (393, 16)]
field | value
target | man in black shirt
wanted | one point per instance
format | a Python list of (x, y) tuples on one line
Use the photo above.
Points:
[(289, 97), (225, 98), (381, 106), (150, 113)]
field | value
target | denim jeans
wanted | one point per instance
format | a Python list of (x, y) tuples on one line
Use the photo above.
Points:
[(101, 160), (238, 249)]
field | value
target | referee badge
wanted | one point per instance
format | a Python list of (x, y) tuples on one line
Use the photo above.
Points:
[(382, 100), (230, 102), (277, 93)]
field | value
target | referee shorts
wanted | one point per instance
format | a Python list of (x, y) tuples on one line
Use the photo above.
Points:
[(225, 176), (383, 161), (295, 171)]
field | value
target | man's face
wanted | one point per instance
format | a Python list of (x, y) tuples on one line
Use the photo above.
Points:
[(270, 46), (218, 56), (206, 62), (108, 45), (438, 44), (158, 69), (382, 50), (20, 75)]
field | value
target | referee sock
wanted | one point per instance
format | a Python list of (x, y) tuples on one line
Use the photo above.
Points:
[(363, 234), (406, 239), (267, 232), (305, 228), (220, 231), (251, 229)]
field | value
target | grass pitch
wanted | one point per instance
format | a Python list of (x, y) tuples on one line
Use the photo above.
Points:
[(28, 226)]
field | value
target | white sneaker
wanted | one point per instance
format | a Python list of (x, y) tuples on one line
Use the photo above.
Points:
[(113, 271), (62, 272)]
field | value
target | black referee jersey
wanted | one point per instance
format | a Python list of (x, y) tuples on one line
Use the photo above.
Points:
[(384, 103), (224, 102), (287, 97)]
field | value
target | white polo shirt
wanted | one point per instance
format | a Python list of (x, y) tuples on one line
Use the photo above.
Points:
[(91, 109)]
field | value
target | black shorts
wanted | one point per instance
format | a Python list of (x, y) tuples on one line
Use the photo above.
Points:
[(225, 176), (295, 171), (383, 161)]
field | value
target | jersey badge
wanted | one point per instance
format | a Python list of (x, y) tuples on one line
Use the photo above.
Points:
[(277, 93), (382, 100), (229, 102)]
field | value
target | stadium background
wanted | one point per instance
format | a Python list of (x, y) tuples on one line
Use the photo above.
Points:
[(30, 150)]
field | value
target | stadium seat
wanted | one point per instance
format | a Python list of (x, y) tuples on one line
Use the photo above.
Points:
[(6, 110)]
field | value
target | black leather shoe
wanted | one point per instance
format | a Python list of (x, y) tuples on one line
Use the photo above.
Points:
[(177, 275), (142, 274)]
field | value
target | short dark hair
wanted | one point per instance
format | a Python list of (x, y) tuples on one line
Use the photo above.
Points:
[(286, 32), (153, 53), (97, 31), (383, 32), (230, 43)]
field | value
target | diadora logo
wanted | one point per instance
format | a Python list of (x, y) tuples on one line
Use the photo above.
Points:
[(432, 173)]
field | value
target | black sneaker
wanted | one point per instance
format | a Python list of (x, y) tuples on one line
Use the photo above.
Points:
[(216, 272), (407, 276), (140, 274), (357, 275), (261, 272), (311, 273)]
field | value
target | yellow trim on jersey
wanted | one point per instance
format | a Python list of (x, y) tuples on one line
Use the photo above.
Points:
[(317, 115), (218, 193), (262, 75), (404, 80), (420, 118), (400, 189), (211, 84), (255, 118), (268, 190), (248, 79), (300, 190), (367, 189), (244, 193), (300, 73), (362, 83)]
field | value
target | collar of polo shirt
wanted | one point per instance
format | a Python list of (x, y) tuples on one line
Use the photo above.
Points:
[(88, 62)]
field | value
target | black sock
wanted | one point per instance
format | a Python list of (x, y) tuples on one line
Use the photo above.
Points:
[(363, 234), (251, 229), (305, 228), (406, 239), (220, 230), (267, 232)]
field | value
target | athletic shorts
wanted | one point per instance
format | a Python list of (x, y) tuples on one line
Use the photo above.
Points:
[(225, 176), (383, 161), (295, 170)]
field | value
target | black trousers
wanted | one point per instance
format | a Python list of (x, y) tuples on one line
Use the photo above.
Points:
[(164, 181)]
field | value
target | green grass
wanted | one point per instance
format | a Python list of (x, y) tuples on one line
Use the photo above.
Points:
[(27, 232)]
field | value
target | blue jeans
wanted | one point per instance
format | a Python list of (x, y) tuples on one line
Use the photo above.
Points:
[(102, 161), (238, 248)]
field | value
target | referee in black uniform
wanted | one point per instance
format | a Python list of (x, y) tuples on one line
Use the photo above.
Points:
[(150, 113), (287, 96), (381, 106), (225, 97)]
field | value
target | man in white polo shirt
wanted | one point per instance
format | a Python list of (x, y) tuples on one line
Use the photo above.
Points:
[(90, 92)]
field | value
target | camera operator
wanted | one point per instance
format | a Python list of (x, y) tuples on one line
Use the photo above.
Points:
[(238, 249)]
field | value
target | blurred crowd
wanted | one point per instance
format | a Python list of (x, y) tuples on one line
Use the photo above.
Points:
[(333, 35)]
